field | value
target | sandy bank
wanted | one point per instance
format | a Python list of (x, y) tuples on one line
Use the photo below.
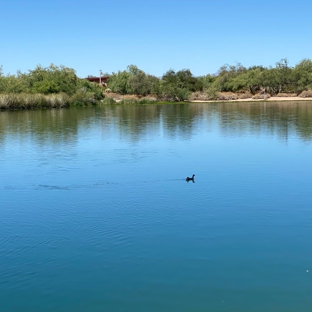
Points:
[(271, 99)]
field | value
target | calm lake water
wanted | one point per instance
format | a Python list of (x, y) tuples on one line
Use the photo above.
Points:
[(96, 215)]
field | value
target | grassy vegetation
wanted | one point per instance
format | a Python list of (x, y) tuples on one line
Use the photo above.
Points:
[(36, 100), (108, 101), (306, 94), (135, 101)]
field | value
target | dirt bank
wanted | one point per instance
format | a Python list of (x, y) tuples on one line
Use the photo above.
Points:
[(273, 98)]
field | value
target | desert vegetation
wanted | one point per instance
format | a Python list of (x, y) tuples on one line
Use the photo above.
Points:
[(50, 87), (59, 86), (172, 86), (231, 82)]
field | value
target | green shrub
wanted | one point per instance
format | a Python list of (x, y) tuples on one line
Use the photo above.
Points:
[(128, 101), (108, 101), (82, 98), (147, 101), (84, 85), (212, 93), (182, 94)]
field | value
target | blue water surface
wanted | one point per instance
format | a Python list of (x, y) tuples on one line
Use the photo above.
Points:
[(96, 215)]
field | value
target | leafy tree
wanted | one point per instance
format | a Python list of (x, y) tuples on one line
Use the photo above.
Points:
[(172, 87), (250, 80), (13, 84), (205, 81), (52, 79), (278, 79), (177, 86), (283, 75), (132, 81), (133, 70), (303, 75), (85, 86), (142, 84), (226, 74), (45, 86), (119, 82), (188, 81), (183, 79)]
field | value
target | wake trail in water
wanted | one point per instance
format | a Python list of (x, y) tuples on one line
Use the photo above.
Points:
[(52, 187)]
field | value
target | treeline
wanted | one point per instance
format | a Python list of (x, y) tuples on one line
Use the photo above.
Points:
[(172, 86), (53, 86), (58, 86), (274, 80), (178, 86)]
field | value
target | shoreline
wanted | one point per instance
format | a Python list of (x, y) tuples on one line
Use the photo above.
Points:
[(271, 99), (51, 103)]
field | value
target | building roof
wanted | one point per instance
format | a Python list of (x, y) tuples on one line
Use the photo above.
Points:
[(97, 79)]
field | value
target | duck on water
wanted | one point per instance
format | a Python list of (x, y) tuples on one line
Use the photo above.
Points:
[(188, 179)]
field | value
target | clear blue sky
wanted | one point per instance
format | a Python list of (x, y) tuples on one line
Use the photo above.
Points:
[(155, 35)]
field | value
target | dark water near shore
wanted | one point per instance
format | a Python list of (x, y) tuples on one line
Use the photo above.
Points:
[(96, 215)]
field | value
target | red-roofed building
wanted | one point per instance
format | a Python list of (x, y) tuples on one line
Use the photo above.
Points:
[(100, 80)]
